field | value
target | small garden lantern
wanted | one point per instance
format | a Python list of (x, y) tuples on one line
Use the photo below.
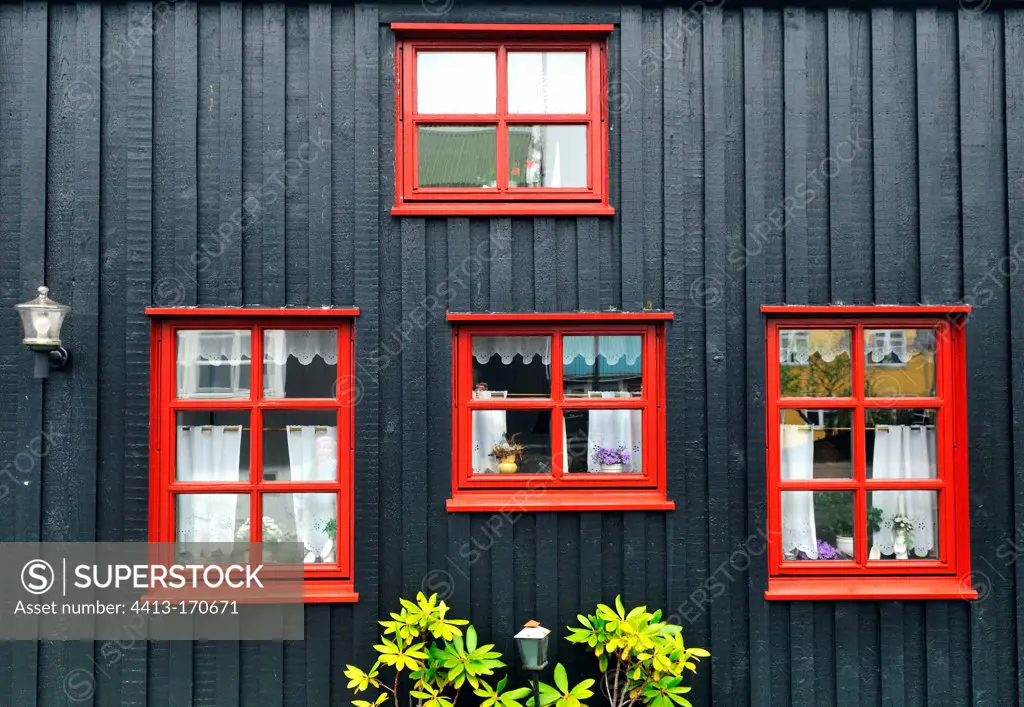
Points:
[(41, 319), (532, 640), (533, 645)]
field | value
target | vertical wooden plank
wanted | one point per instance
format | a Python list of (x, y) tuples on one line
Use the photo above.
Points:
[(110, 469), (366, 275), (723, 72), (522, 265), (847, 646), (652, 141), (631, 209), (500, 265), (566, 265), (893, 70), (72, 243), (296, 174), (756, 266), (587, 265), (683, 199), (983, 180), (610, 231), (1013, 31), (342, 154), (272, 185), (184, 112), (544, 259), (938, 158), (458, 523), (252, 154), (413, 521), (439, 397), (849, 162), (138, 290), (634, 558), (229, 226), (31, 208), (318, 162), (590, 561), (207, 258), (891, 656)]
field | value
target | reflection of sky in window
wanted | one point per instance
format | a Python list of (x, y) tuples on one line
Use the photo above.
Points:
[(456, 82), (547, 82)]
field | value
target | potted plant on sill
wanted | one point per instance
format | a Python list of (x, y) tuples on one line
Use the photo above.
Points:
[(508, 451), (612, 460)]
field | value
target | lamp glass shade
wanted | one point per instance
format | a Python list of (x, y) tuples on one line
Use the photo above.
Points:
[(41, 319), (533, 647)]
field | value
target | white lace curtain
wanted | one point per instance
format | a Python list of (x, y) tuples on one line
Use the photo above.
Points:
[(611, 348), (233, 348), (798, 345), (901, 452), (313, 456), (302, 345), (606, 428), (208, 453), (798, 530), (905, 452)]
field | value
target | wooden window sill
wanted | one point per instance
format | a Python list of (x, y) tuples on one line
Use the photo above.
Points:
[(854, 587), (314, 591), (537, 500), (503, 209)]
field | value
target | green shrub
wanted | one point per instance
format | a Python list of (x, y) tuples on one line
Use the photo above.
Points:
[(642, 658)]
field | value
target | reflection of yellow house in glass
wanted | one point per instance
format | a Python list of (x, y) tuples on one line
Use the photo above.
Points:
[(817, 363)]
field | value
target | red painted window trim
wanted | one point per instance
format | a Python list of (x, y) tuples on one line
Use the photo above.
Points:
[(332, 583), (559, 491), (568, 317), (412, 200), (947, 577)]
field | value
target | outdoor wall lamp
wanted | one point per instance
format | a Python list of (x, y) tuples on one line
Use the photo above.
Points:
[(41, 319), (533, 650)]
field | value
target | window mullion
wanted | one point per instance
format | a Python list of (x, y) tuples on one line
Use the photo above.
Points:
[(501, 163), (558, 451)]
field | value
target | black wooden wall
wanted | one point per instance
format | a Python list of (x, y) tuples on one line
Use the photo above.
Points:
[(758, 154)]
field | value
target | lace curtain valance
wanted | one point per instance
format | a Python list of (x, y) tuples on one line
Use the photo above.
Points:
[(880, 345), (218, 348), (611, 348)]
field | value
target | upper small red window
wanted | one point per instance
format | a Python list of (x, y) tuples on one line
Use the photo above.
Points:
[(559, 412), (867, 467), (501, 119)]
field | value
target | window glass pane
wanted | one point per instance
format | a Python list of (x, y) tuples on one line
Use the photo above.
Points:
[(456, 82), (903, 525), (817, 525), (220, 519), (300, 363), (899, 363), (816, 444), (457, 156), (309, 519), (547, 156), (511, 366), (602, 366), (816, 363), (603, 441), (214, 363), (300, 445), (212, 446), (530, 429), (901, 444), (547, 82)]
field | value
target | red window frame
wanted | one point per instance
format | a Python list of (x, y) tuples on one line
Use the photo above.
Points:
[(411, 199), (558, 490), (323, 583), (862, 578)]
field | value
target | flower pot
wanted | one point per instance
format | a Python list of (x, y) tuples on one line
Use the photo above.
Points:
[(508, 465), (844, 543), (613, 468)]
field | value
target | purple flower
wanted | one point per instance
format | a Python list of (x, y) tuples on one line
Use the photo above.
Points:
[(609, 455), (826, 551)]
